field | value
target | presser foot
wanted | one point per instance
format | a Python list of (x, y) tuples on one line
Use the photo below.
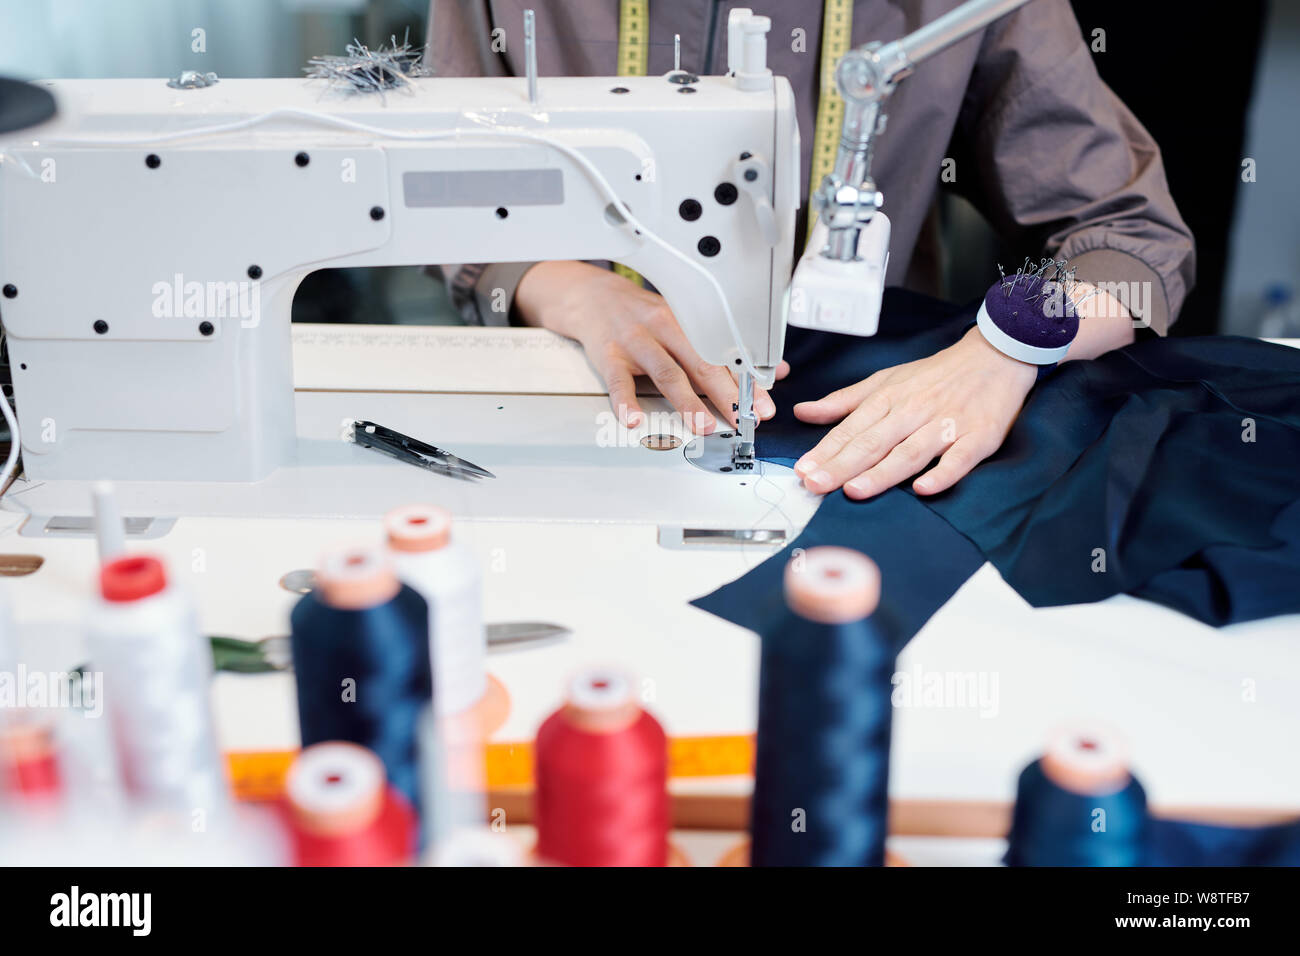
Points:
[(722, 453), (742, 453)]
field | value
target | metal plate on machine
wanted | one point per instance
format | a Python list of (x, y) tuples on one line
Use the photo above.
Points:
[(483, 187), (715, 453)]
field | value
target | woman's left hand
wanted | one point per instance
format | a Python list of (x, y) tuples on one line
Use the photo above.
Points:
[(957, 405)]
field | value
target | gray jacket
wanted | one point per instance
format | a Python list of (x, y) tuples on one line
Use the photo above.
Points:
[(1041, 145)]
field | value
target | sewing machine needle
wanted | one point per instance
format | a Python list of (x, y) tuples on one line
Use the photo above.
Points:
[(746, 421)]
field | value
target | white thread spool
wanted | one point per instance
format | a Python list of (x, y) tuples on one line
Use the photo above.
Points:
[(447, 576), (157, 666), (453, 775), (479, 847)]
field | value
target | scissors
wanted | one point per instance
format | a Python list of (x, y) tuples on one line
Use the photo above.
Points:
[(415, 452), (272, 653)]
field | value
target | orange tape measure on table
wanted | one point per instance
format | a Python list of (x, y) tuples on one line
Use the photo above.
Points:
[(258, 775), (511, 764)]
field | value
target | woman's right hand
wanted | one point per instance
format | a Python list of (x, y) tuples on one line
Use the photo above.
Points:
[(627, 331)]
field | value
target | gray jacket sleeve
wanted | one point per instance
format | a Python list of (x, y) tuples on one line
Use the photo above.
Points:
[(459, 43), (1061, 159)]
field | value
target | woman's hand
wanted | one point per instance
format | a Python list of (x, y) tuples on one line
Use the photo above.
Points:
[(957, 405), (627, 331)]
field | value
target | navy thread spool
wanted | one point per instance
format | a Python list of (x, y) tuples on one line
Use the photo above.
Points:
[(360, 624), (824, 716), (1078, 805)]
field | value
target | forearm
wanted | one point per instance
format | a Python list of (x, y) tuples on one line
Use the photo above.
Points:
[(542, 297), (1064, 166), (1104, 324)]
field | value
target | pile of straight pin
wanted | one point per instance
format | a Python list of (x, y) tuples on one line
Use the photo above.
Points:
[(1049, 278), (363, 70)]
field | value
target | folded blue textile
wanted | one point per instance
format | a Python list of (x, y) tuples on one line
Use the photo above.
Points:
[(922, 560), (1169, 470)]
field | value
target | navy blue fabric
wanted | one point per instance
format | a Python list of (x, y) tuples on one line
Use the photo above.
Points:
[(1178, 843), (922, 560), (1141, 454), (1134, 462), (1227, 582)]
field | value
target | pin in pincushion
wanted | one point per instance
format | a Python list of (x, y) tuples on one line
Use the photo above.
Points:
[(1030, 315)]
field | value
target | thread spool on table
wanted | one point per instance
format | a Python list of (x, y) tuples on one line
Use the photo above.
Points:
[(426, 557), (156, 665), (601, 796), (29, 759), (479, 847), (361, 661), (821, 773), (469, 703), (343, 812), (1078, 805)]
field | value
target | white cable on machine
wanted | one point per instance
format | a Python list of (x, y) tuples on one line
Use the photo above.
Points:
[(14, 444), (597, 177)]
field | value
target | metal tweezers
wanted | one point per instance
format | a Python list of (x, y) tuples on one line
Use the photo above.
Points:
[(415, 452)]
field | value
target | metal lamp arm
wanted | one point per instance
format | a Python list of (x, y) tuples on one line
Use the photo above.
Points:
[(847, 198)]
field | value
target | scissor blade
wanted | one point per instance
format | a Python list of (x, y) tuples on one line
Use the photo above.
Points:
[(448, 468), (468, 466), (517, 633), (443, 464)]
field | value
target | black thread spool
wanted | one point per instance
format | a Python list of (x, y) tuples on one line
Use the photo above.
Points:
[(821, 777), (360, 643), (1078, 805)]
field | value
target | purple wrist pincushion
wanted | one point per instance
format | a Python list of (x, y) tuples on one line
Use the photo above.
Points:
[(1033, 311)]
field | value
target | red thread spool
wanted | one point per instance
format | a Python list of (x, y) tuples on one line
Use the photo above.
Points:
[(133, 578), (31, 760), (343, 812), (601, 797)]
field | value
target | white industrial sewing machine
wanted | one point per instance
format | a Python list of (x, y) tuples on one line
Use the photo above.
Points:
[(152, 238)]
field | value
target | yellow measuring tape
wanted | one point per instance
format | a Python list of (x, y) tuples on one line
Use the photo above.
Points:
[(837, 28), (633, 59), (633, 37), (259, 775)]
